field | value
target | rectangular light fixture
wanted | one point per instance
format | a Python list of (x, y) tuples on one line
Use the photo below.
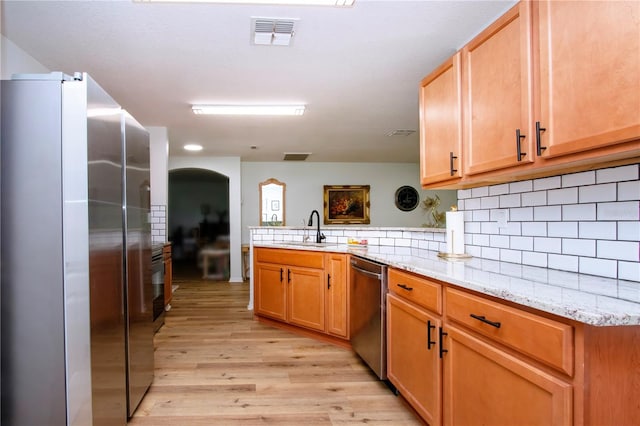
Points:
[(249, 109), (336, 3)]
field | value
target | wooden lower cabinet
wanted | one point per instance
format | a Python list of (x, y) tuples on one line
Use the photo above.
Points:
[(493, 362), (413, 362), (168, 274), (337, 298), (303, 288), (484, 385), (270, 291)]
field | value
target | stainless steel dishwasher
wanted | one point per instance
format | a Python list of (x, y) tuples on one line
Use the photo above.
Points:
[(368, 313)]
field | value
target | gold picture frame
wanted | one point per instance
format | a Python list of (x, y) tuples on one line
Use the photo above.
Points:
[(346, 204)]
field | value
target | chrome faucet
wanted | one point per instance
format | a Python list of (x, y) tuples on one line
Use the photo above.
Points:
[(319, 235)]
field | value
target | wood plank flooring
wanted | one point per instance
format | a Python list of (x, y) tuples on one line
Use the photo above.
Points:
[(216, 365)]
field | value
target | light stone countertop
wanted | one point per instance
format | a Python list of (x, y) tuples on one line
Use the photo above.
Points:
[(584, 298)]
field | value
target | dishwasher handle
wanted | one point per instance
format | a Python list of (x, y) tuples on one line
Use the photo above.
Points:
[(364, 271)]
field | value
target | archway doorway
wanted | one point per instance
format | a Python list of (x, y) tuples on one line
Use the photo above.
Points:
[(198, 223)]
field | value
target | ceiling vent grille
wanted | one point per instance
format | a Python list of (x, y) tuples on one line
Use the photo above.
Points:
[(272, 31), (401, 132), (296, 156)]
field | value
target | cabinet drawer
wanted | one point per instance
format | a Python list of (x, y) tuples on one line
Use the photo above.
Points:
[(415, 289), (548, 341), (305, 259)]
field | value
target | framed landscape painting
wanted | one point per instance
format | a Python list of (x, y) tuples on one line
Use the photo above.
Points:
[(346, 204)]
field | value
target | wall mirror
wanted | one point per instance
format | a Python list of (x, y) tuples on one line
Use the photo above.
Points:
[(272, 202)]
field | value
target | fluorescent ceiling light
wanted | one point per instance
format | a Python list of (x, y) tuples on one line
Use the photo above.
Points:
[(193, 147), (249, 109), (337, 3)]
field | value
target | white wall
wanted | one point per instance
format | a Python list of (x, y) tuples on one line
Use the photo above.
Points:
[(230, 167), (304, 191), (14, 60), (159, 152)]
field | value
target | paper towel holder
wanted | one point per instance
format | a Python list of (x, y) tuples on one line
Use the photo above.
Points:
[(452, 255)]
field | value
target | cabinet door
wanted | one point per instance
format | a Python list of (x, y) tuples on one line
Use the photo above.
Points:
[(589, 75), (168, 281), (413, 364), (306, 297), (497, 94), (336, 294), (485, 385), (441, 125), (270, 289)]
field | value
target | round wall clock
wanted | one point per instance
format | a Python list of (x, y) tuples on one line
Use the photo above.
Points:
[(407, 198)]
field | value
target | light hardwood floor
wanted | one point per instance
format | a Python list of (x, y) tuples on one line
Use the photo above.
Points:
[(216, 365)]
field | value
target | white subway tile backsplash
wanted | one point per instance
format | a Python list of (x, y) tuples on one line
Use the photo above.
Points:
[(522, 186), (538, 198), (629, 191), (463, 194), (618, 174), (585, 222), (522, 243), (521, 214), (512, 200), (534, 259), (562, 196), (597, 193), (547, 245), (547, 213), (490, 253), (472, 227), (600, 267), (489, 228), (547, 183), (500, 241), (513, 228), (579, 212), (499, 189), (481, 215), (629, 231), (472, 204), (563, 263), (490, 202), (562, 229), (629, 271), (536, 229), (597, 230), (513, 256), (619, 250), (626, 210), (480, 240), (579, 247), (579, 179), (482, 191), (387, 241)]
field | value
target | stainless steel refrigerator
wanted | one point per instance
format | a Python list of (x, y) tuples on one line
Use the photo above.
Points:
[(76, 313)]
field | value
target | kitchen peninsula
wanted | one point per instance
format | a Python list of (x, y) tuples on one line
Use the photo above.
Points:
[(558, 340)]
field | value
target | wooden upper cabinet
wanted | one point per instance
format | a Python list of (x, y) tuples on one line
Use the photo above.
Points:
[(441, 125), (589, 77), (497, 94)]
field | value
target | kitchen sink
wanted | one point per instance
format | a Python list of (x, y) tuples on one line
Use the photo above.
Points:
[(308, 244)]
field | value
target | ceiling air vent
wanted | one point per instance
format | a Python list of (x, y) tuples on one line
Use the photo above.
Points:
[(401, 132), (296, 156), (272, 31)]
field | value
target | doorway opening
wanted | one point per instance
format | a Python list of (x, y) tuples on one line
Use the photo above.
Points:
[(198, 223)]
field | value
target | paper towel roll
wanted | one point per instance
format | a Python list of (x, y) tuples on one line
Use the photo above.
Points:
[(455, 232)]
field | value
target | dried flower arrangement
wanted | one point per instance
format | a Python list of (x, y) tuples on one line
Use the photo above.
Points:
[(436, 219)]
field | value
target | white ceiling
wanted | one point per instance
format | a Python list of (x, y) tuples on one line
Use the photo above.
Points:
[(357, 69)]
